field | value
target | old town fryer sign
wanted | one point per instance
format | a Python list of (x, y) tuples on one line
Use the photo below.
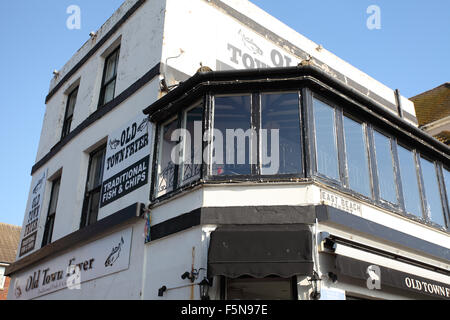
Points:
[(33, 213), (127, 160), (69, 271)]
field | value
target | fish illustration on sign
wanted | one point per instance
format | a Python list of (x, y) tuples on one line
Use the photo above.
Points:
[(143, 125), (113, 144), (115, 254), (38, 185), (250, 44)]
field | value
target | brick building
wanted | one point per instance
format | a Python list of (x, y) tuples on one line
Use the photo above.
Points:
[(9, 241)]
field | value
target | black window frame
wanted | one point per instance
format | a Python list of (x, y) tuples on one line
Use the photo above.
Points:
[(104, 85), (89, 193), (67, 123), (51, 215)]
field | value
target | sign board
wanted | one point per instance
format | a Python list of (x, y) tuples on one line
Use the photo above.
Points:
[(339, 202), (32, 215), (127, 160), (68, 271), (245, 49)]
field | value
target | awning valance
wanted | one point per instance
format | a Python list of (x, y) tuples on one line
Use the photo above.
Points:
[(260, 251)]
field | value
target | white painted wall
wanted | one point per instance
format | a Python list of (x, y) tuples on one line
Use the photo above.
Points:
[(167, 259), (147, 39)]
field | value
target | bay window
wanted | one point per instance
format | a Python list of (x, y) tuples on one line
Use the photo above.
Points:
[(264, 136)]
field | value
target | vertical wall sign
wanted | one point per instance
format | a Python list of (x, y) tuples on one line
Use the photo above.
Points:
[(127, 160), (32, 215)]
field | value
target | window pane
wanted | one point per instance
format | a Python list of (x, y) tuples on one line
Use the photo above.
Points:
[(94, 206), (357, 160), (96, 170), (447, 183), (109, 92), (72, 100), (54, 196), (193, 157), (431, 186), (408, 174), (66, 127), (281, 112), (233, 113), (385, 166), (166, 167), (327, 158), (111, 66)]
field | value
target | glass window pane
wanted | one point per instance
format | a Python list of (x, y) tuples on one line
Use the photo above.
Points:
[(96, 170), (93, 207), (109, 92), (193, 157), (232, 113), (281, 112), (447, 183), (357, 159), (327, 156), (385, 167), (432, 193), (54, 196), (72, 100), (166, 167), (111, 67), (408, 174)]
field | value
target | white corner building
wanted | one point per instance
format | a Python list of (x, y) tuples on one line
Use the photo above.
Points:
[(341, 195)]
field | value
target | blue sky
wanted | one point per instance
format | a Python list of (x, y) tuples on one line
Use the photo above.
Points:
[(410, 52)]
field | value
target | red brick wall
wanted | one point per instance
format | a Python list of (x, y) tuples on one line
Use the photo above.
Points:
[(4, 292)]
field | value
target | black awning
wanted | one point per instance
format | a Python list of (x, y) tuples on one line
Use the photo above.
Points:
[(260, 251), (393, 278)]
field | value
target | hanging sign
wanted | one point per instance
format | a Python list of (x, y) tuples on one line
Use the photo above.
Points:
[(127, 160)]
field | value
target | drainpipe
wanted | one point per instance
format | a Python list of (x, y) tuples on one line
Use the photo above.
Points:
[(399, 103)]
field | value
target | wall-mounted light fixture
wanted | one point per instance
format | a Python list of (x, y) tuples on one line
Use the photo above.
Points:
[(161, 291), (193, 275), (204, 285)]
